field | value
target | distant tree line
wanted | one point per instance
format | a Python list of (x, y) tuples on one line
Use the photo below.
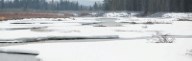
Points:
[(149, 6), (41, 5)]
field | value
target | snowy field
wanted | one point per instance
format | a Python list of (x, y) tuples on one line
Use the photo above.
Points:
[(113, 37)]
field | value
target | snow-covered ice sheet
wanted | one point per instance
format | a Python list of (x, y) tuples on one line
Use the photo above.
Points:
[(117, 50)]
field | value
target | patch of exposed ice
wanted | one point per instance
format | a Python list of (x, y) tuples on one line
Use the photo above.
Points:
[(177, 15), (120, 14)]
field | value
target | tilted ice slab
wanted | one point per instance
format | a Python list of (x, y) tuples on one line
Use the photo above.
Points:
[(19, 51), (18, 55), (31, 36)]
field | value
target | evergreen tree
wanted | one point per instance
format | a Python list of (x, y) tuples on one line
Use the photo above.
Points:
[(2, 4)]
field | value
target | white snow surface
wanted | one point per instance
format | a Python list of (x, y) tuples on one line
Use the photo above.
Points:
[(116, 50)]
